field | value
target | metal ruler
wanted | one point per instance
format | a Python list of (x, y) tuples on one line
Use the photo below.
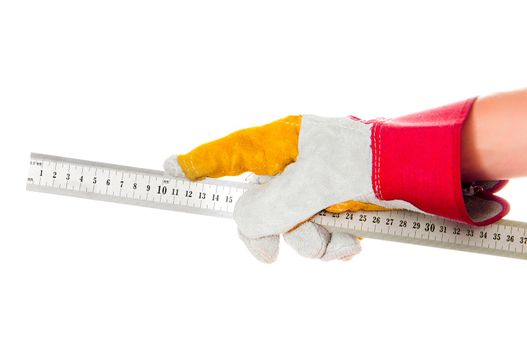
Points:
[(151, 188)]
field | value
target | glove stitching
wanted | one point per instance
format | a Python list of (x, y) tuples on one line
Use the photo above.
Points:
[(375, 159), (381, 125)]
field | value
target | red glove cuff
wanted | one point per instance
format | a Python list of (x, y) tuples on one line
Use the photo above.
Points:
[(417, 158)]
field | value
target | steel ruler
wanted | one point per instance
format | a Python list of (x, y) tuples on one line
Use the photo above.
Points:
[(215, 197)]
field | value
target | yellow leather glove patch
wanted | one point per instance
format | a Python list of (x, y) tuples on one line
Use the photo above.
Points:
[(263, 150), (354, 206)]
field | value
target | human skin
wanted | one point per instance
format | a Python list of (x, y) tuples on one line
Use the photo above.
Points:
[(494, 138)]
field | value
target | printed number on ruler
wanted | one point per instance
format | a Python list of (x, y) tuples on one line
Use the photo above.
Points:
[(132, 184), (505, 235)]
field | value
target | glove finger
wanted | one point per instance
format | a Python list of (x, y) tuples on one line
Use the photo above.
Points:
[(172, 167), (343, 246), (263, 150), (265, 249), (310, 240)]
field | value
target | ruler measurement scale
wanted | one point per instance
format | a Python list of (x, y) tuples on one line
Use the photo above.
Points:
[(214, 197)]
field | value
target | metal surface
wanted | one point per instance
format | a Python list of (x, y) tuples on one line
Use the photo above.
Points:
[(151, 188)]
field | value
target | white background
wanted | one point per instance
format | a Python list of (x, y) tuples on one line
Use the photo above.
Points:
[(132, 82)]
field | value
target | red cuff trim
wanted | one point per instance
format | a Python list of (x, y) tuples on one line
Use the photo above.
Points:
[(417, 158)]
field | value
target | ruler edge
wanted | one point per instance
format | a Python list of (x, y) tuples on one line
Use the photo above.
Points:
[(365, 233), (127, 201), (444, 245), (160, 173), (222, 214)]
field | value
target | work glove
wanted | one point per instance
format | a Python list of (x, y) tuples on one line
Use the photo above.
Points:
[(343, 164)]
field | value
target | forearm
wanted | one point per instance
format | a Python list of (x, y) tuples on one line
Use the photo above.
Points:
[(494, 138)]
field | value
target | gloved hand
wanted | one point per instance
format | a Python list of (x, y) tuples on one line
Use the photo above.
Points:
[(342, 164)]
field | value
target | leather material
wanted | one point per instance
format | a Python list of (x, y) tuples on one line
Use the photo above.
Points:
[(417, 158)]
